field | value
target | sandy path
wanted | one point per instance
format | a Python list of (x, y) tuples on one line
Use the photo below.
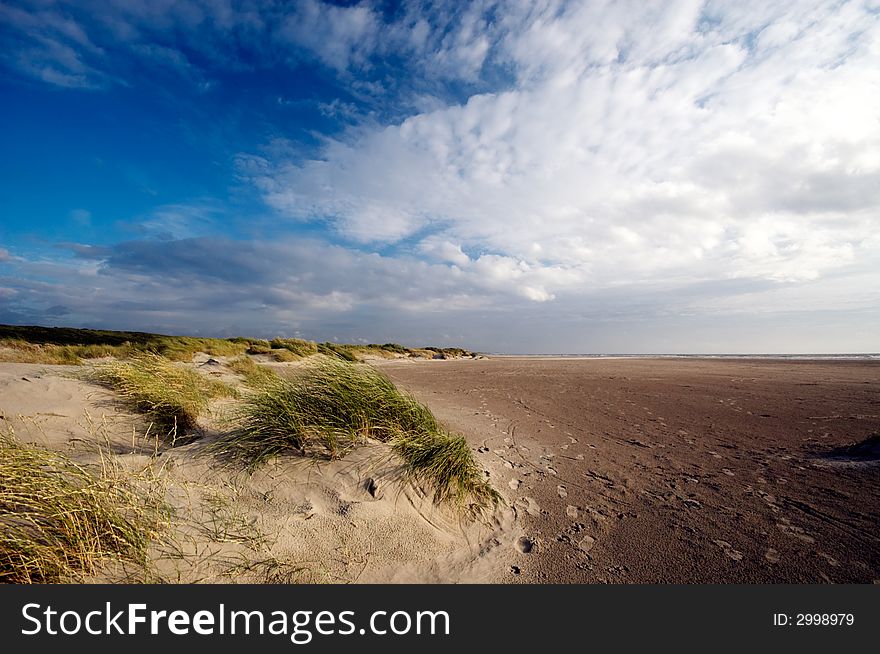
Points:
[(672, 470)]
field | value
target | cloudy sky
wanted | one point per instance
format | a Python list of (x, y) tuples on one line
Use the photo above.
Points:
[(542, 176)]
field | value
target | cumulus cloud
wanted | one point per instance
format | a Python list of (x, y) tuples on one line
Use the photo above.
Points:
[(691, 141)]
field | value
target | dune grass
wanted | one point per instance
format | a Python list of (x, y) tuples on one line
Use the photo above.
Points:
[(170, 396), (59, 522), (330, 405), (70, 346), (445, 462), (255, 375), (61, 345)]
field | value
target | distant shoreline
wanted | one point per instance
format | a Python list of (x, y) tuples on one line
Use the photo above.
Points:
[(869, 356)]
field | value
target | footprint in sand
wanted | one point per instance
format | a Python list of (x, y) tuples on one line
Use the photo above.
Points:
[(772, 555), (525, 545), (794, 530), (571, 512), (513, 484), (731, 553), (561, 491), (586, 543), (831, 560), (529, 505)]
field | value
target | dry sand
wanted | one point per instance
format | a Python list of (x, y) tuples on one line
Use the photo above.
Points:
[(672, 470), (293, 520)]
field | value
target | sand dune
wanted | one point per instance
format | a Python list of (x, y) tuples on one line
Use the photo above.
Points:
[(294, 520)]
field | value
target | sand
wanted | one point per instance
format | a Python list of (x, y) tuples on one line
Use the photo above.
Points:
[(618, 471), (681, 470), (295, 520)]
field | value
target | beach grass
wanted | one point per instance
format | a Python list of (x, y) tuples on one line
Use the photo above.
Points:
[(60, 521), (330, 405), (70, 346), (255, 375), (67, 346), (445, 461), (172, 397)]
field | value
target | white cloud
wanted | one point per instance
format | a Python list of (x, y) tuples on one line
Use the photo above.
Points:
[(338, 36), (679, 144)]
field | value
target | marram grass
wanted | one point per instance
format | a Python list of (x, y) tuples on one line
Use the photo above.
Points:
[(172, 397), (60, 522), (255, 375), (445, 462), (329, 405)]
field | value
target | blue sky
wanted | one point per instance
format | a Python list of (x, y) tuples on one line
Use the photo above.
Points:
[(523, 177)]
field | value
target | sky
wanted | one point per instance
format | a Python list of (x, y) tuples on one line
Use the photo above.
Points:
[(521, 177)]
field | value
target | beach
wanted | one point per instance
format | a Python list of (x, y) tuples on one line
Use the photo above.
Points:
[(609, 471), (672, 470)]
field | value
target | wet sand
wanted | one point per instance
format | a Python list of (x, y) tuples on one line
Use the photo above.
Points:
[(711, 471)]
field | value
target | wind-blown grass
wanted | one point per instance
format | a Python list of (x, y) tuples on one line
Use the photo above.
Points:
[(58, 521), (331, 405), (445, 461), (255, 375), (170, 396), (65, 345)]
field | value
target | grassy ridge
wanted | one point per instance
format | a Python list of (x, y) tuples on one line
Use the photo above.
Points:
[(59, 521), (68, 346), (331, 405)]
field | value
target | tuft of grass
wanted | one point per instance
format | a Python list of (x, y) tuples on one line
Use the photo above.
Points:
[(336, 350), (330, 405), (255, 375), (171, 397), (59, 522), (445, 461), (298, 346)]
